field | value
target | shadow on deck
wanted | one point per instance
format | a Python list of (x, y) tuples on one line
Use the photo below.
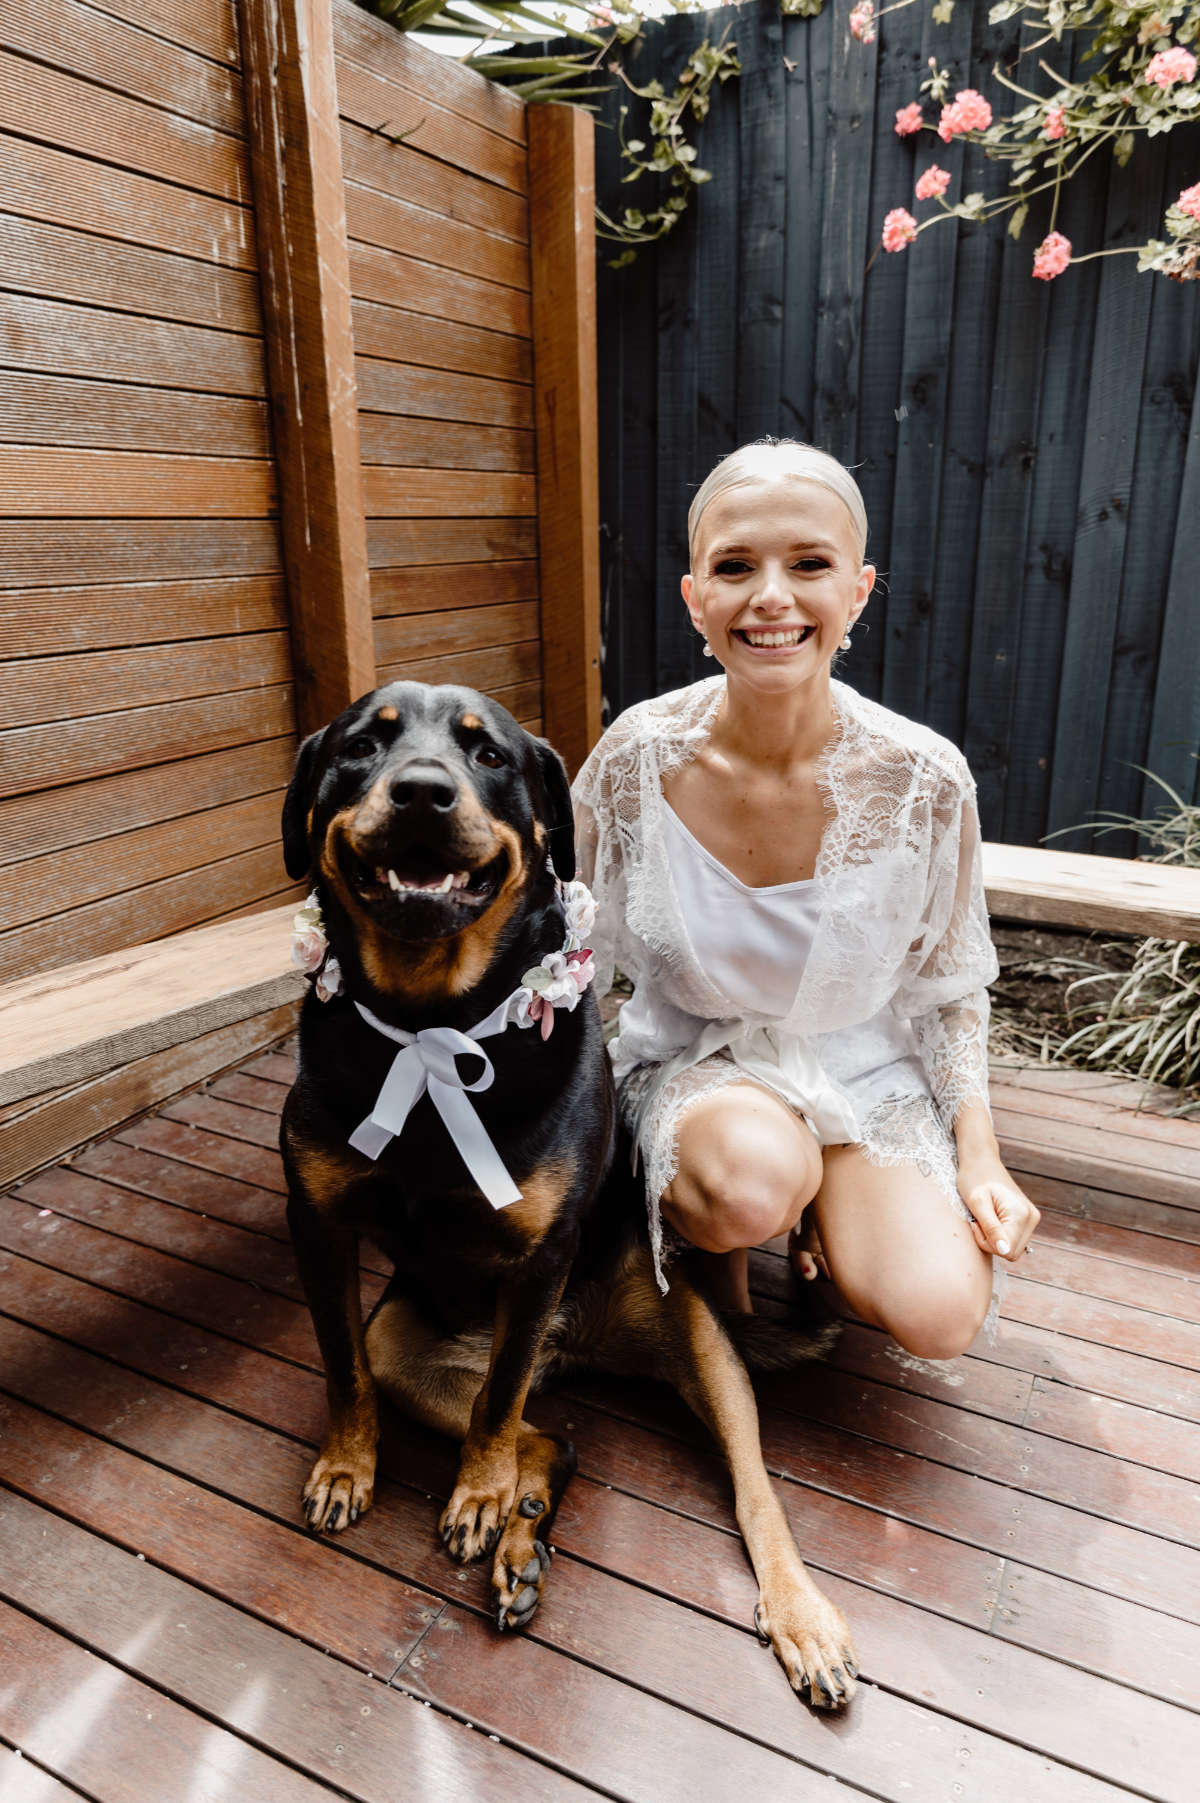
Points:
[(1013, 1535)]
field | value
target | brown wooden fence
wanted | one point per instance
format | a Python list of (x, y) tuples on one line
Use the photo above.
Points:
[(221, 312)]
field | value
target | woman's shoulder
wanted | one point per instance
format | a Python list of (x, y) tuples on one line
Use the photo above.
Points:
[(925, 753), (661, 718)]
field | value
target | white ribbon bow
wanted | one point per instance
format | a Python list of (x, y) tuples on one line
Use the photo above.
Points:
[(426, 1061)]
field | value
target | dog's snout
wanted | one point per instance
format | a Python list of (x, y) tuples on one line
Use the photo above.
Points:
[(424, 789)]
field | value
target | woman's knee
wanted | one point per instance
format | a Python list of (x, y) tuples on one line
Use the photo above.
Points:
[(743, 1178), (937, 1323)]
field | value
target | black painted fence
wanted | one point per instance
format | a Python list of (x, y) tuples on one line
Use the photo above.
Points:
[(1029, 452)]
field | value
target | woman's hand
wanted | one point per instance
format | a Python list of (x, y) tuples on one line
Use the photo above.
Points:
[(1003, 1217)]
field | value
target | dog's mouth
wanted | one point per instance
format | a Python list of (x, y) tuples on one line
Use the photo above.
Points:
[(422, 880)]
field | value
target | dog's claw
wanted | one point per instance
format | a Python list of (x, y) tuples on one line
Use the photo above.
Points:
[(764, 1639), (531, 1507)]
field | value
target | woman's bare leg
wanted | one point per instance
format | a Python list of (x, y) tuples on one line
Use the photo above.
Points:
[(900, 1254), (747, 1168)]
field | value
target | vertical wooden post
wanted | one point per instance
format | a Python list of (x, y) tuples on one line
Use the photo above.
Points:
[(300, 214), (563, 257)]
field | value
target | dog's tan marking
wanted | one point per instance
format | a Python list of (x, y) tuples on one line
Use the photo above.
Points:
[(325, 1171), (542, 1195), (471, 723), (387, 713)]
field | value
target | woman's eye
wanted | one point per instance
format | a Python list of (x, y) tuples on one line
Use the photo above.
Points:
[(809, 564), (362, 745), (732, 566), (489, 757)]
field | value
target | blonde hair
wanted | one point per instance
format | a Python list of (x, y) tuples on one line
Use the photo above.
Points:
[(770, 457)]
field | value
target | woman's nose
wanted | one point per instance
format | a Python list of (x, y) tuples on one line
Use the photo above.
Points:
[(773, 592)]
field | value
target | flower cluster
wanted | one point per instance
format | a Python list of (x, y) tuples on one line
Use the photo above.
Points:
[(899, 229), (561, 977), (968, 111), (862, 22), (1140, 77), (933, 183), (310, 950), (1051, 257), (1166, 67)]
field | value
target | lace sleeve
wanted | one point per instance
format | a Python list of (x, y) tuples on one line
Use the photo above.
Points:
[(600, 842), (952, 959)]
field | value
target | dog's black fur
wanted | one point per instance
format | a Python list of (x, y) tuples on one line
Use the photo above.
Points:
[(484, 1302)]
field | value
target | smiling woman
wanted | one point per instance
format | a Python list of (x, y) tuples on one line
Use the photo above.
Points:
[(791, 877)]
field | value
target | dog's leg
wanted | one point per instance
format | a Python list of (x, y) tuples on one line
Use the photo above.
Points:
[(483, 1496), (437, 1381), (341, 1485), (681, 1340)]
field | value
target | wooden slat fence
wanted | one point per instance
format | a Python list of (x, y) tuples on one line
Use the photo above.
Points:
[(175, 382), (1029, 452)]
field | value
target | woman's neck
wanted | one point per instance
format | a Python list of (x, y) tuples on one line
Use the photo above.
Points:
[(776, 731)]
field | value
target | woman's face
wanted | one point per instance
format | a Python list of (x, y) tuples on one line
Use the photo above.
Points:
[(776, 580)]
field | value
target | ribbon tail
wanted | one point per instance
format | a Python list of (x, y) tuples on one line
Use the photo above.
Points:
[(401, 1088), (471, 1137)]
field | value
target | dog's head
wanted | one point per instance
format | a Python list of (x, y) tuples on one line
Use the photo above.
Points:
[(426, 815)]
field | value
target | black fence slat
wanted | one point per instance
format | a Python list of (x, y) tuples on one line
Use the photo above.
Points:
[(923, 394), (844, 236), (761, 222), (805, 53), (1175, 716), (1079, 782)]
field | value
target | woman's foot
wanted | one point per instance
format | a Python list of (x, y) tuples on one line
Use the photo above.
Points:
[(804, 1249)]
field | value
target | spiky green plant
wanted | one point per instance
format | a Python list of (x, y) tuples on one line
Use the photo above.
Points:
[(1147, 1021)]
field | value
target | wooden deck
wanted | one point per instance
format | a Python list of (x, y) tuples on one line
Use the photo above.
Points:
[(1014, 1536)]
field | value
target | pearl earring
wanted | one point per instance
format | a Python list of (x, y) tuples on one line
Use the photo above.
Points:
[(706, 649), (845, 644)]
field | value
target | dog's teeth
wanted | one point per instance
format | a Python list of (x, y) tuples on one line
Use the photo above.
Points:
[(460, 878), (446, 883), (394, 882)]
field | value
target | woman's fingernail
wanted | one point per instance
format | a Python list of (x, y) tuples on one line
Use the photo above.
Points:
[(1002, 1248)]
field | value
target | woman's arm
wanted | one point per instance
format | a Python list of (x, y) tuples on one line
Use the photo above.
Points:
[(946, 995)]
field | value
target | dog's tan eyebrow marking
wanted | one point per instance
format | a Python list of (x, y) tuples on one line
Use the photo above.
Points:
[(387, 713), (471, 722)]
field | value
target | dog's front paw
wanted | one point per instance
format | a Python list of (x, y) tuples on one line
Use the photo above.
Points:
[(340, 1488), (811, 1640), (473, 1518), (522, 1561)]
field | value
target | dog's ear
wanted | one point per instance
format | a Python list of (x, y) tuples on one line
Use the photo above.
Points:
[(560, 816), (296, 804)]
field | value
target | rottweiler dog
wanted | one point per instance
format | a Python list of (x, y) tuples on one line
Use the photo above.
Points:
[(438, 835)]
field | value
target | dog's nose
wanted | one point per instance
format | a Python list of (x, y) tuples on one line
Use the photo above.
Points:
[(424, 789)]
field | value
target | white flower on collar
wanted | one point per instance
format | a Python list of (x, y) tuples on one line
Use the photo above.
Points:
[(579, 906), (310, 949)]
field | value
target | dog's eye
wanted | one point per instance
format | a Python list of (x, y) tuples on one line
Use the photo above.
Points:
[(489, 757), (362, 745)]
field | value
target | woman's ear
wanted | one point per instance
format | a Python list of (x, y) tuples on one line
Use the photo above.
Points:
[(685, 588), (866, 582)]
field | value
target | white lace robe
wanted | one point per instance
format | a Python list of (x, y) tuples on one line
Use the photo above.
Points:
[(896, 978)]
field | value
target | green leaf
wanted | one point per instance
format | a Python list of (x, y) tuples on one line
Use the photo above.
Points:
[(1016, 224)]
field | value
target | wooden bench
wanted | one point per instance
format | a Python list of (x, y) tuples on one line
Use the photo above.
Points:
[(84, 1047), (1079, 889)]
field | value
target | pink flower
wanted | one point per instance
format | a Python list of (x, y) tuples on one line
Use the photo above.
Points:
[(899, 229), (601, 15), (329, 980), (934, 181), (308, 949), (1167, 67), (908, 119), (968, 111), (1189, 201), (580, 969), (1055, 126), (862, 22), (1051, 257)]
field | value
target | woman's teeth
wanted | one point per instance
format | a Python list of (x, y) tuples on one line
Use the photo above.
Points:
[(796, 636), (453, 879)]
